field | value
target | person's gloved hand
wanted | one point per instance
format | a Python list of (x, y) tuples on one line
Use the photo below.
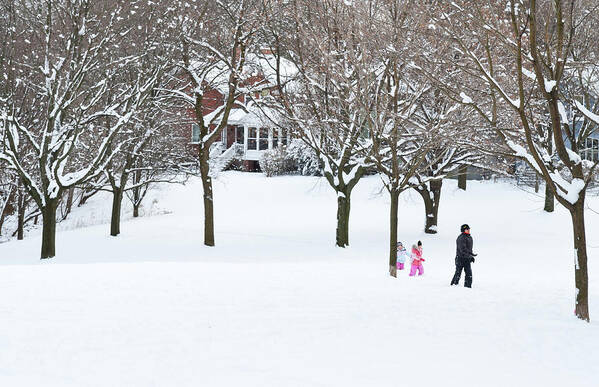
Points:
[(472, 259)]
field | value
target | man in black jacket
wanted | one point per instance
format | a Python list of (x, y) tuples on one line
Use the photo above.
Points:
[(464, 257)]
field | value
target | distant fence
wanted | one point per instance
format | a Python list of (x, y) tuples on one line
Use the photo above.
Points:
[(526, 176)]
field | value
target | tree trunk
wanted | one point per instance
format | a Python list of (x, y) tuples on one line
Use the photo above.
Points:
[(4, 209), (136, 194), (115, 219), (69, 203), (549, 199), (86, 194), (580, 263), (2, 215), (393, 232), (537, 183), (432, 206), (462, 177), (20, 215), (343, 208), (208, 202), (49, 229), (1, 221)]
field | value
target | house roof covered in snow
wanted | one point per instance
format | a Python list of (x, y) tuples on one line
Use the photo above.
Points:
[(249, 115)]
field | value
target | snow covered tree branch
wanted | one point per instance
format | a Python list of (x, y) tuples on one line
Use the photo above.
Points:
[(68, 101), (517, 67)]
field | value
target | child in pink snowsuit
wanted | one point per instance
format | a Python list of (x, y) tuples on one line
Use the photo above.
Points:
[(417, 260)]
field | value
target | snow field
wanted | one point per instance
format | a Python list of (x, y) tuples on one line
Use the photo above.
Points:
[(276, 304)]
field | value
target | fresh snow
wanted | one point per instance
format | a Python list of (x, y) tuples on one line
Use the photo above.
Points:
[(465, 98), (574, 157), (276, 304), (549, 85), (562, 112), (587, 113)]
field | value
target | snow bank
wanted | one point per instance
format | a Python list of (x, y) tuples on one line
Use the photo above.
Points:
[(276, 304)]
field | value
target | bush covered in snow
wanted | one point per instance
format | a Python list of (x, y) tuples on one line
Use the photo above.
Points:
[(276, 162), (297, 158), (305, 159)]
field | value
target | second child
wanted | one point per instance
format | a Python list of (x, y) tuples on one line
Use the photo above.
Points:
[(417, 260), (402, 254)]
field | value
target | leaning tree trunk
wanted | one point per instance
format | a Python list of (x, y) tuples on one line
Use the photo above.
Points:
[(1, 220), (86, 194), (69, 203), (115, 219), (208, 201), (462, 177), (4, 208), (580, 264), (549, 196), (49, 228), (431, 199), (393, 232), (343, 208), (549, 199)]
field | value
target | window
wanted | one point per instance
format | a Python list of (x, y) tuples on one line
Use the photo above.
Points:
[(223, 136), (591, 149), (263, 139), (239, 135), (275, 138), (284, 137), (195, 133), (252, 138), (594, 148)]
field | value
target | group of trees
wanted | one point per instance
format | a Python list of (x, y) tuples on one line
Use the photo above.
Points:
[(80, 103), (93, 94), (418, 91), (358, 98), (531, 77)]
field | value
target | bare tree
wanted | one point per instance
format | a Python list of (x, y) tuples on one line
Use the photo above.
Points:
[(213, 45), (445, 120), (326, 96), (62, 78), (514, 59)]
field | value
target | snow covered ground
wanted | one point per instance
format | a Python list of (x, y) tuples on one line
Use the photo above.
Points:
[(276, 304)]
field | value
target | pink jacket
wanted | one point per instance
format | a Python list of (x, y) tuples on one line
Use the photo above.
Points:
[(417, 255)]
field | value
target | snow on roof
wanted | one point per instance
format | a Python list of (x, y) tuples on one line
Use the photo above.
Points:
[(254, 116), (265, 65), (250, 115), (256, 65)]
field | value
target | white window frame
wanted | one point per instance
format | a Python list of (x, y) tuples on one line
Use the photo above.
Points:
[(266, 138), (248, 138)]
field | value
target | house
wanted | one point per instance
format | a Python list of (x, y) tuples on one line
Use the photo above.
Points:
[(252, 129), (586, 130)]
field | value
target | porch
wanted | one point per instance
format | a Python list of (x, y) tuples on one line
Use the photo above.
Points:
[(246, 137)]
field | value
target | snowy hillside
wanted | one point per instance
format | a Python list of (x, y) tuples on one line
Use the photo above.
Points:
[(276, 304)]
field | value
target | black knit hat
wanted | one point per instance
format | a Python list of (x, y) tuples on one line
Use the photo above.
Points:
[(464, 227), (419, 243)]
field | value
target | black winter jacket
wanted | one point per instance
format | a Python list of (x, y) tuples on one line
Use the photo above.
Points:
[(464, 246)]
